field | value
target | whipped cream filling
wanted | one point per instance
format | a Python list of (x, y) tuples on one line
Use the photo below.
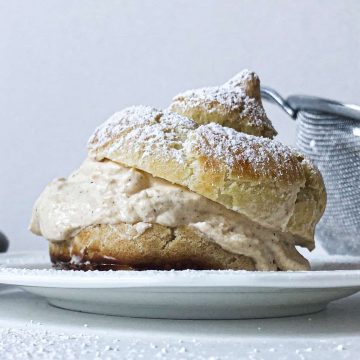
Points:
[(109, 193)]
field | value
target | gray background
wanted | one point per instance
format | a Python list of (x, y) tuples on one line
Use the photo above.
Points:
[(65, 66)]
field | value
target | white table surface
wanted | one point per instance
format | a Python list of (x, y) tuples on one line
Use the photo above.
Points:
[(32, 329)]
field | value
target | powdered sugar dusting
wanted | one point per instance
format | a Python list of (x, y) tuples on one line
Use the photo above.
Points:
[(145, 128), (150, 133), (242, 78), (239, 93), (264, 156), (231, 98), (231, 94), (121, 121), (37, 342)]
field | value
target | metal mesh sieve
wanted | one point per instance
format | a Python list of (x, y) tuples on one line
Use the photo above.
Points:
[(328, 132)]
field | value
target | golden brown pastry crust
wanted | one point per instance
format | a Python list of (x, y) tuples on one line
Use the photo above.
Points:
[(120, 247)]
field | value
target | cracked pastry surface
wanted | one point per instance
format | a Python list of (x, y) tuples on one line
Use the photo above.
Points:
[(121, 246)]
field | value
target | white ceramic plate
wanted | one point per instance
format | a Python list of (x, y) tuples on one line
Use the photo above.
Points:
[(186, 294)]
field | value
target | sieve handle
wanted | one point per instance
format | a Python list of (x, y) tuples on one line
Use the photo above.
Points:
[(295, 103), (274, 97)]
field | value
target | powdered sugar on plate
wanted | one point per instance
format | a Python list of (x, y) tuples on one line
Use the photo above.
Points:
[(181, 294), (34, 269)]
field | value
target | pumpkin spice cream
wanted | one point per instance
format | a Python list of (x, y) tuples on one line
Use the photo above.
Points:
[(105, 192)]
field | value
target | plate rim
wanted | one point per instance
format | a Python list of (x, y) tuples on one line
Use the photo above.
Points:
[(321, 279)]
